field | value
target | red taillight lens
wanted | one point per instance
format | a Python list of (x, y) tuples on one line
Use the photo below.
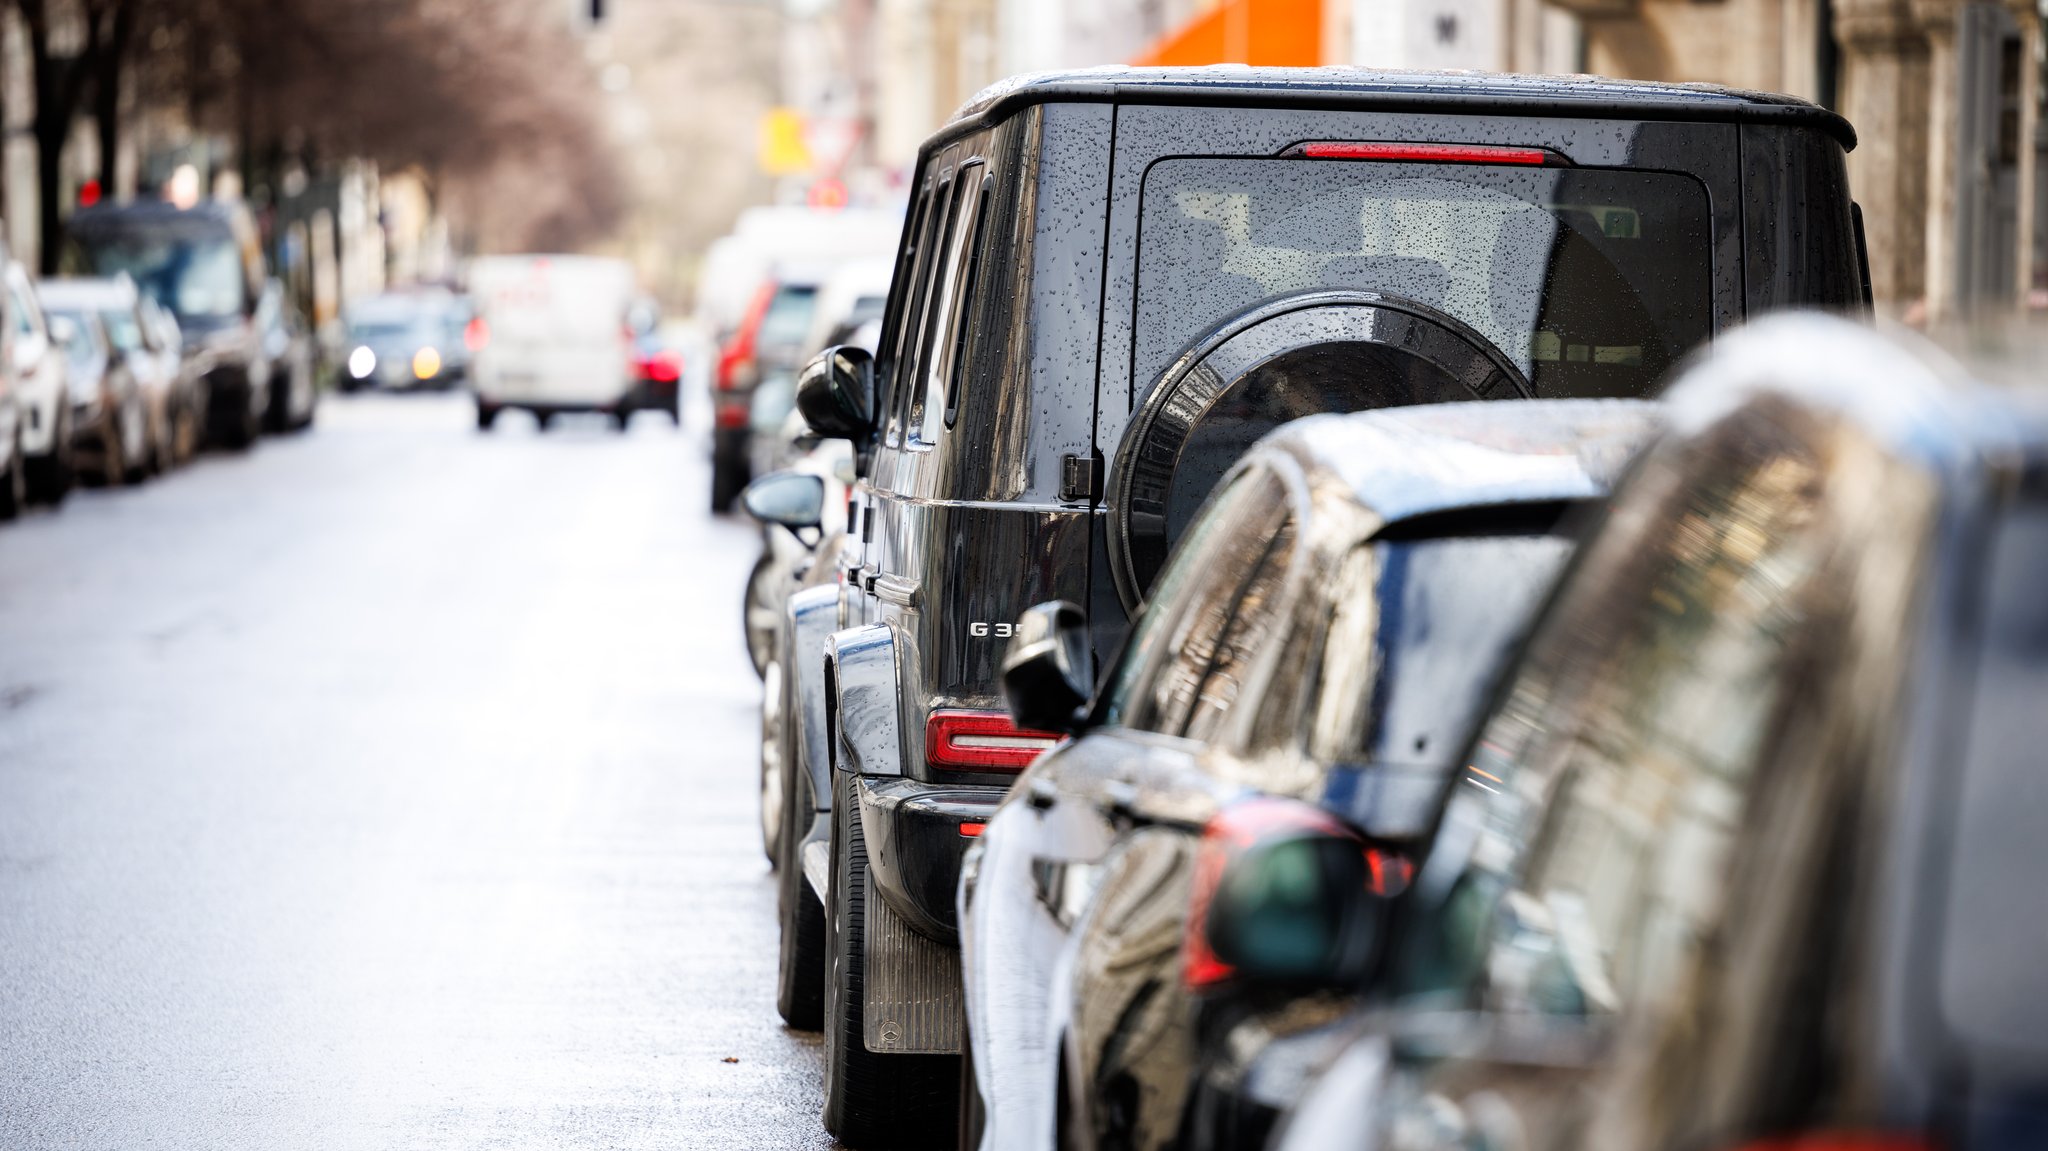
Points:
[(1843, 1141), (1426, 153), (1241, 826), (972, 830), (476, 334), (981, 741), (662, 368)]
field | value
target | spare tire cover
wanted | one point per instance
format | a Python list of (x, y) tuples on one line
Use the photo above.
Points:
[(1320, 352)]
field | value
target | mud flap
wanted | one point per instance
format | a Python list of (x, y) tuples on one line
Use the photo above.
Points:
[(912, 1003)]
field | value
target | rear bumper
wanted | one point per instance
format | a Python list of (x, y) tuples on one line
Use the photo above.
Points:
[(915, 846)]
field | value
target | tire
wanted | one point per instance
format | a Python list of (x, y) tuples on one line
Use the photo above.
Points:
[(973, 1112), (51, 478), (113, 453), (729, 470), (239, 430), (544, 420), (800, 965), (14, 485), (757, 616), (485, 417), (872, 1101), (773, 774), (622, 420)]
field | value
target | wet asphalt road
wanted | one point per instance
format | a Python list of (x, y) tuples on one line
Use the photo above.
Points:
[(389, 787)]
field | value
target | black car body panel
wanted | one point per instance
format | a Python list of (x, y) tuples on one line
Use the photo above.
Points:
[(989, 485)]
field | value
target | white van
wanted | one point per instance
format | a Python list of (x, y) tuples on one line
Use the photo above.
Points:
[(551, 336)]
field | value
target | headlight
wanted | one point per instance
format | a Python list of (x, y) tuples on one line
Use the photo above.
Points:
[(361, 363), (426, 364)]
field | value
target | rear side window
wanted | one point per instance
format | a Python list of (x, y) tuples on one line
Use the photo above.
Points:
[(1592, 281), (1218, 605), (946, 329), (1994, 991)]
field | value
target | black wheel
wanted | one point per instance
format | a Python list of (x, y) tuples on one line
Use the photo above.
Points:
[(486, 415), (238, 429), (773, 774), (50, 478), (729, 470), (800, 966), (14, 484), (544, 420), (113, 454), (762, 613), (973, 1112), (622, 419), (277, 412), (871, 1100)]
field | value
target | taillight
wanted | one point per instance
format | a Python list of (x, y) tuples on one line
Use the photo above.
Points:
[(1263, 821), (476, 334), (1426, 153), (981, 741), (662, 367)]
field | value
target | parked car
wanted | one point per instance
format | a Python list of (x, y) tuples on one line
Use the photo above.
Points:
[(657, 367), (1746, 851), (205, 265), (1088, 326), (1324, 634), (802, 513), (43, 385), (109, 414), (294, 386), (754, 386), (552, 337), (406, 338), (135, 331)]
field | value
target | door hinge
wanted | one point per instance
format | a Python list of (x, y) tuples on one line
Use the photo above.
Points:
[(1081, 477)]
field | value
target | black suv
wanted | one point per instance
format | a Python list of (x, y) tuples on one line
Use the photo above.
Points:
[(205, 264), (1110, 284)]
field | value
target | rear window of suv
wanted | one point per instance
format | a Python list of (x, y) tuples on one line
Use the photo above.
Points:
[(1592, 280)]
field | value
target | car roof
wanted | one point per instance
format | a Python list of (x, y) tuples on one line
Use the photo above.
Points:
[(1904, 393), (1472, 93), (89, 292), (207, 217), (1401, 463)]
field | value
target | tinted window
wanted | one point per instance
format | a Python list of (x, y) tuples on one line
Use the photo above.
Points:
[(1993, 987), (1418, 630), (906, 370), (1591, 836), (1592, 281), (942, 342), (788, 318), (123, 330), (195, 278), (1217, 604)]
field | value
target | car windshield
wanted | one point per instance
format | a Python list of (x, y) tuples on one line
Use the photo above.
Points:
[(1994, 991), (123, 330), (197, 278), (789, 316), (83, 349), (379, 330), (1592, 281)]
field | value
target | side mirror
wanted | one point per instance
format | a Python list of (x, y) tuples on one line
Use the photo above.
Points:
[(792, 499), (63, 330), (1048, 672), (836, 393), (1286, 894)]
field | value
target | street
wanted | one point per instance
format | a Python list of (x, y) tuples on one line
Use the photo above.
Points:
[(390, 786)]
